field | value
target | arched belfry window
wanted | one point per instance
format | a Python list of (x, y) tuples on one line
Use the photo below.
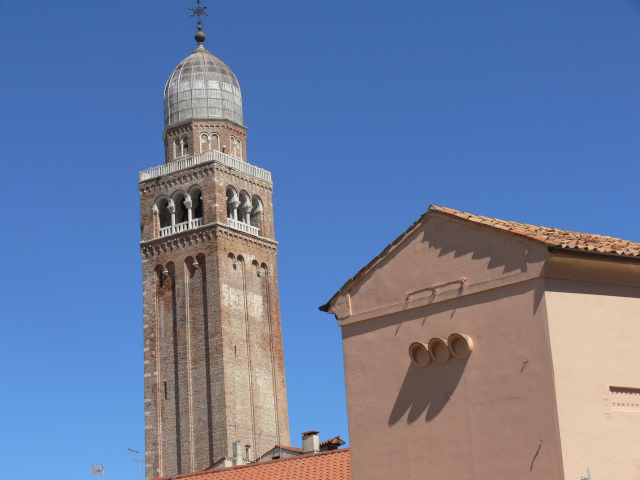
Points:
[(164, 215), (164, 210), (180, 212), (256, 212), (196, 198), (181, 208), (240, 211), (181, 215)]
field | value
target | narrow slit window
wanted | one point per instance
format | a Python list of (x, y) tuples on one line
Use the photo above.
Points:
[(165, 390)]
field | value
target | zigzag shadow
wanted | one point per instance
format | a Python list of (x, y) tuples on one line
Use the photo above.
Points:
[(427, 389)]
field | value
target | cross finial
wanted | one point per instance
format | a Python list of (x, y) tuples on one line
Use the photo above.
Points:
[(199, 11)]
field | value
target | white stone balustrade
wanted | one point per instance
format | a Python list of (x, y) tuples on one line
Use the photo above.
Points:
[(181, 227), (243, 227), (212, 156), (197, 222)]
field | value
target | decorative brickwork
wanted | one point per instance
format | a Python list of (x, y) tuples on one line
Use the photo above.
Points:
[(226, 132), (213, 361)]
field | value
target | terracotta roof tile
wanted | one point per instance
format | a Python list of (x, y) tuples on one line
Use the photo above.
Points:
[(332, 465), (286, 447), (552, 236), (335, 439)]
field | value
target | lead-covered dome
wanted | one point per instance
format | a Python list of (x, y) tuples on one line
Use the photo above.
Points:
[(202, 87)]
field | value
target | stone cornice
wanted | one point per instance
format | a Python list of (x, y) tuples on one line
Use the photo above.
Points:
[(195, 173), (212, 157), (207, 233)]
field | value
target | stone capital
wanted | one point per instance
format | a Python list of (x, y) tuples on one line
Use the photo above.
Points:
[(234, 201)]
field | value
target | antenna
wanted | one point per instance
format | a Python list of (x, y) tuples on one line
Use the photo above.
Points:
[(138, 460), (97, 470)]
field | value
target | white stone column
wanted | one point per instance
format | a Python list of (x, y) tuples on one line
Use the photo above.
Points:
[(189, 204), (172, 209), (246, 213), (156, 220), (234, 202)]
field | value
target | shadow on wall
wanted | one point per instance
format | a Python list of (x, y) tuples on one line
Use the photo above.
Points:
[(427, 389)]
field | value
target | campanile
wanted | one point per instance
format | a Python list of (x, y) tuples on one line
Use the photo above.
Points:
[(213, 363)]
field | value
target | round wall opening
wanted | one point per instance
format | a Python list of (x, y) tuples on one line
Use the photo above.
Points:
[(419, 354), (439, 350), (460, 345)]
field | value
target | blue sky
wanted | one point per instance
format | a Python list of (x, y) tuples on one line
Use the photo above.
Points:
[(365, 112)]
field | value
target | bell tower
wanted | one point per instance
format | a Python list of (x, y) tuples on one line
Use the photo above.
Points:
[(213, 361)]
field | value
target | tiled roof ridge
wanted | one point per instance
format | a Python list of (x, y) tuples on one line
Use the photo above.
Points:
[(326, 442), (565, 239), (254, 464), (286, 447)]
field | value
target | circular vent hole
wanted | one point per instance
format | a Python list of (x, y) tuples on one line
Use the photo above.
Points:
[(439, 350), (460, 345), (419, 354)]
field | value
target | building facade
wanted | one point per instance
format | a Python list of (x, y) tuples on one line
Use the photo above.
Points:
[(213, 361), (479, 348)]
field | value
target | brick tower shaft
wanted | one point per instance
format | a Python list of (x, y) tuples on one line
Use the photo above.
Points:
[(213, 361)]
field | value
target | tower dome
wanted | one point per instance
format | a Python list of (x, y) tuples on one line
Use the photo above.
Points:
[(202, 87)]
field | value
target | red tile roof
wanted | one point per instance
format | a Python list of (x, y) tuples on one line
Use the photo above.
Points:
[(333, 465), (334, 442), (552, 236), (563, 239), (285, 447)]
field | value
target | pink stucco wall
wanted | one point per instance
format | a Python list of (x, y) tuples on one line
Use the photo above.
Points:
[(594, 326), (482, 417)]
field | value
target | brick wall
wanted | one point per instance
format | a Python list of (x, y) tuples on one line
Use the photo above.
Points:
[(193, 130), (214, 369)]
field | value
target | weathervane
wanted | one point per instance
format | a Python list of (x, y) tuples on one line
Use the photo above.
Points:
[(199, 11)]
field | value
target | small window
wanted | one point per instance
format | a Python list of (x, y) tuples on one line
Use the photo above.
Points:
[(236, 147), (185, 145), (177, 148), (214, 141), (181, 147), (205, 143)]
